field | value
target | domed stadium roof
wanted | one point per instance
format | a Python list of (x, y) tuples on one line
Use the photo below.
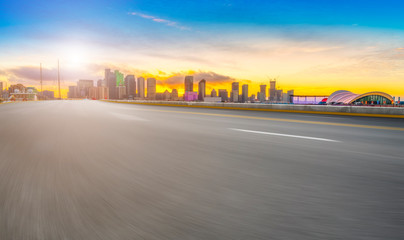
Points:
[(347, 97)]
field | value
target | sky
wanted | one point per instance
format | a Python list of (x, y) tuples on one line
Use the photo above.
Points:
[(311, 46)]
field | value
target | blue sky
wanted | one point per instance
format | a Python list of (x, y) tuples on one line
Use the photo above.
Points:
[(337, 41), (379, 14)]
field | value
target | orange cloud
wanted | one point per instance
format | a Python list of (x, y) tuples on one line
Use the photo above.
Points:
[(175, 80)]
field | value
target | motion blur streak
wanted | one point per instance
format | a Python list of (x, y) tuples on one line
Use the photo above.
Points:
[(279, 119), (92, 170)]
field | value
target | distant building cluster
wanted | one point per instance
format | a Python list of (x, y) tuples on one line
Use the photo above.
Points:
[(117, 86), (222, 95), (18, 92)]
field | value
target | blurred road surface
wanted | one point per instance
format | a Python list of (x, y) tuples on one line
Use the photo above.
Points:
[(97, 170)]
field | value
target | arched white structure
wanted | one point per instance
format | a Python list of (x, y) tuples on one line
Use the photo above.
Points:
[(347, 97)]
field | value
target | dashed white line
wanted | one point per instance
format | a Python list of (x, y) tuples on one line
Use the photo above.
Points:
[(285, 135)]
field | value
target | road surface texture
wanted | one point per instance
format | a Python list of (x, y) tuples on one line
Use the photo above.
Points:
[(99, 170)]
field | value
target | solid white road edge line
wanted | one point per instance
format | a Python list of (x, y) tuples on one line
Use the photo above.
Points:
[(285, 135)]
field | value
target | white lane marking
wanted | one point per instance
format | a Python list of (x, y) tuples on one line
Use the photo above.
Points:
[(128, 117), (285, 135)]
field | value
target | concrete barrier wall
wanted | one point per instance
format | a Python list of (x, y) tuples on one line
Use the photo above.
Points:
[(323, 109)]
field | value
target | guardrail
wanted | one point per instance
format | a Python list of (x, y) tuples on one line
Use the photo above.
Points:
[(312, 109)]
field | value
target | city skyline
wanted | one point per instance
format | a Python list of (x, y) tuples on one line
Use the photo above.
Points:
[(214, 119), (114, 87), (358, 48)]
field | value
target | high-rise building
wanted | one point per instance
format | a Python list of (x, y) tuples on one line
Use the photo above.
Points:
[(151, 88), (140, 87), (174, 94), (98, 93), (100, 83), (235, 91), (189, 83), (272, 90), (262, 96), (92, 93), (160, 96), (103, 93), (107, 73), (279, 95), (121, 92), (224, 95), (252, 98), (119, 78), (244, 93), (190, 96), (110, 79), (288, 96), (130, 84), (73, 93), (213, 93), (202, 90), (83, 87), (166, 95)]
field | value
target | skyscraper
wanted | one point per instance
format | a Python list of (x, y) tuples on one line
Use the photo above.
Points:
[(72, 92), (92, 93), (120, 85), (189, 83), (110, 80), (190, 96), (140, 87), (272, 90), (279, 95), (1, 89), (244, 93), (151, 88), (213, 93), (252, 98), (289, 96), (130, 84), (235, 91), (102, 92), (166, 95), (119, 78), (83, 88), (107, 73), (262, 96), (224, 95), (100, 83), (202, 90), (121, 92)]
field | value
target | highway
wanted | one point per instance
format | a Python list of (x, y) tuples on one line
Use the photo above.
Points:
[(99, 170)]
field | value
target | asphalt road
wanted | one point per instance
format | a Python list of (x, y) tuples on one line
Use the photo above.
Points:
[(97, 170)]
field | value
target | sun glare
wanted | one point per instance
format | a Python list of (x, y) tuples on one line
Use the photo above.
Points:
[(74, 56)]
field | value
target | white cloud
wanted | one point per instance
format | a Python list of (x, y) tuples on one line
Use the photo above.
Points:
[(160, 20)]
